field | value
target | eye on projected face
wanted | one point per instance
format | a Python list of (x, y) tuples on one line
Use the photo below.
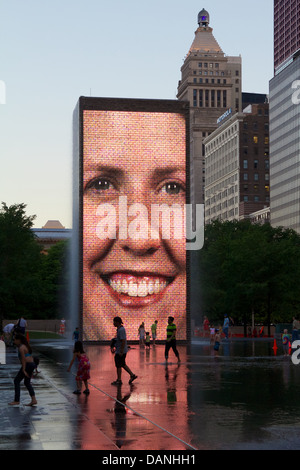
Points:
[(134, 265)]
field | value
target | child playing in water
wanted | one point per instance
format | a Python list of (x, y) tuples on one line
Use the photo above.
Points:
[(217, 341), (148, 339), (285, 342), (83, 371)]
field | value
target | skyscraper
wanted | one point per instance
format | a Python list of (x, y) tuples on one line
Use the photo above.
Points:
[(212, 83), (237, 165), (285, 117), (286, 32)]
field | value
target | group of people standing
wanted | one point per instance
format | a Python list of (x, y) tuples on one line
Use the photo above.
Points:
[(210, 330), (144, 336), (215, 334)]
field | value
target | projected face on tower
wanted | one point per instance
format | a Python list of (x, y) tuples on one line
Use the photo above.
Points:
[(134, 250)]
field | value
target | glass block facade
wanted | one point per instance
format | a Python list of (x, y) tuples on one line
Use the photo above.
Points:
[(285, 147), (286, 31)]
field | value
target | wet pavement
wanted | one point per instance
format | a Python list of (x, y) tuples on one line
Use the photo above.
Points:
[(247, 398)]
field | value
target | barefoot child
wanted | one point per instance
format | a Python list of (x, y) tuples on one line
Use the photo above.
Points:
[(285, 342), (217, 342), (83, 371)]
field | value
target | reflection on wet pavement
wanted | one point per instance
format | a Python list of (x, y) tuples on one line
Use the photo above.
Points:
[(246, 398)]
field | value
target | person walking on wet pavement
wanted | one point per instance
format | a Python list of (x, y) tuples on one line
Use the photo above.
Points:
[(217, 342), (26, 371), (296, 328), (171, 339), (226, 326), (120, 350), (21, 325), (141, 334), (154, 331), (285, 337)]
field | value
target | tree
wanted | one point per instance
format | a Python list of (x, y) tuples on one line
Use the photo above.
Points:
[(20, 260), (54, 274), (248, 268)]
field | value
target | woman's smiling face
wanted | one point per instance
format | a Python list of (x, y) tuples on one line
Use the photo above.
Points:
[(133, 162)]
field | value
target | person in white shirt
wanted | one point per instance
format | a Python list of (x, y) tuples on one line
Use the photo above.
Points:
[(120, 348), (8, 333)]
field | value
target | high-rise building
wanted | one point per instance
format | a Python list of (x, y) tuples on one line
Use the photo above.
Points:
[(212, 82), (237, 165), (286, 32), (285, 147), (284, 100)]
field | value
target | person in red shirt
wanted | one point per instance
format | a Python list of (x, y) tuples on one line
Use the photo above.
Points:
[(205, 327)]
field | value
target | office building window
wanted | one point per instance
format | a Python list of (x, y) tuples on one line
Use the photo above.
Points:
[(213, 99), (201, 98), (195, 98), (207, 98)]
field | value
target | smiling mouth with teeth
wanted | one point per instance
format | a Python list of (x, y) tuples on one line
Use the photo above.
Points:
[(132, 289)]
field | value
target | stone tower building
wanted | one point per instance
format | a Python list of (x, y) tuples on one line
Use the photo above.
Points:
[(212, 83)]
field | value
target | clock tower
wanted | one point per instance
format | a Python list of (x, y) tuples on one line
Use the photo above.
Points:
[(212, 83)]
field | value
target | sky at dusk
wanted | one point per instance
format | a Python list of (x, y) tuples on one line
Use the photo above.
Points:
[(52, 53)]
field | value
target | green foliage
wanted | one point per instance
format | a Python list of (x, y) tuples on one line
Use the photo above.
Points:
[(31, 283), (248, 268), (54, 279), (19, 262)]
